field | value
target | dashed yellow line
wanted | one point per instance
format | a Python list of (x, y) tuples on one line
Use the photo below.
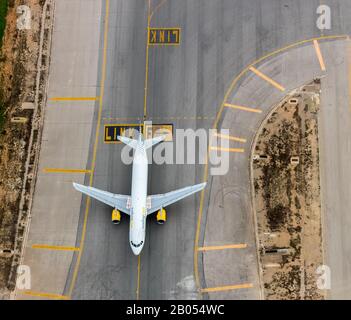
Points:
[(61, 170), (59, 248), (227, 149), (224, 247), (234, 106), (228, 137), (228, 288), (74, 98), (319, 54), (266, 78), (46, 295)]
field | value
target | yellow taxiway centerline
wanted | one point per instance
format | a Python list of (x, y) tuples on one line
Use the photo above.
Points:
[(61, 170), (96, 142), (147, 58), (138, 279), (227, 288), (227, 149), (46, 295), (232, 138), (229, 246), (234, 106), (266, 78), (49, 247), (319, 54), (74, 98)]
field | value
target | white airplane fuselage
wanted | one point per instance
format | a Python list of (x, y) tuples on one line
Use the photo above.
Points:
[(138, 200)]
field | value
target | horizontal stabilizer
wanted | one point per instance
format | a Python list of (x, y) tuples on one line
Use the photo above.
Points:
[(129, 142), (151, 142)]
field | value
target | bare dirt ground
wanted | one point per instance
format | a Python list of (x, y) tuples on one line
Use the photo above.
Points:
[(286, 181), (18, 72)]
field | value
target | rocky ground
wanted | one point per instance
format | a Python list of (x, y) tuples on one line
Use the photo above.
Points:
[(18, 72), (286, 181)]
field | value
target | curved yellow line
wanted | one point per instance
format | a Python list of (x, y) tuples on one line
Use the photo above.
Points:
[(215, 124)]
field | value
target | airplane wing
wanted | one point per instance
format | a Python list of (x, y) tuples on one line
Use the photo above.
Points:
[(117, 201), (159, 201)]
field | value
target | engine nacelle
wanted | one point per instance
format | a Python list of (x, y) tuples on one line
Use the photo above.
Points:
[(116, 217), (161, 216)]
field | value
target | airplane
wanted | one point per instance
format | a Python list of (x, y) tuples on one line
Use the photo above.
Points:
[(139, 205)]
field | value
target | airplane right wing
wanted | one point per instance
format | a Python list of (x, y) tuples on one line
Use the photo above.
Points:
[(117, 201), (159, 201)]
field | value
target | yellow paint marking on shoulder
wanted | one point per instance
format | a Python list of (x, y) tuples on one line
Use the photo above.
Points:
[(59, 248), (46, 295), (228, 137), (319, 54), (266, 78), (61, 170), (224, 247), (215, 125), (96, 142), (227, 149), (228, 288), (74, 98), (234, 106)]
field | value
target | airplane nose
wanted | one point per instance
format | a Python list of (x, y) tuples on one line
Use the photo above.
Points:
[(136, 251), (137, 247)]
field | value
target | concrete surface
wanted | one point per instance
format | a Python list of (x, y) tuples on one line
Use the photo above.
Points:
[(219, 38)]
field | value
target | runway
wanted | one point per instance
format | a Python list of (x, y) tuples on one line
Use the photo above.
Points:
[(186, 86)]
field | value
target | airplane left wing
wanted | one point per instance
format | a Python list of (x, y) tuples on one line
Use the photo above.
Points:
[(117, 201), (159, 201)]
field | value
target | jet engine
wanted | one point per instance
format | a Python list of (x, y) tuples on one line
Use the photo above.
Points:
[(161, 216), (116, 217)]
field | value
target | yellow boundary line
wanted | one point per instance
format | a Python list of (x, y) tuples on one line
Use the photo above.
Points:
[(228, 288), (224, 247), (59, 248), (46, 295), (61, 170), (319, 54), (97, 133), (234, 106), (215, 124), (74, 99), (228, 137), (268, 79)]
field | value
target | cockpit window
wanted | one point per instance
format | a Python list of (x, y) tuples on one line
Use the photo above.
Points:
[(136, 245)]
